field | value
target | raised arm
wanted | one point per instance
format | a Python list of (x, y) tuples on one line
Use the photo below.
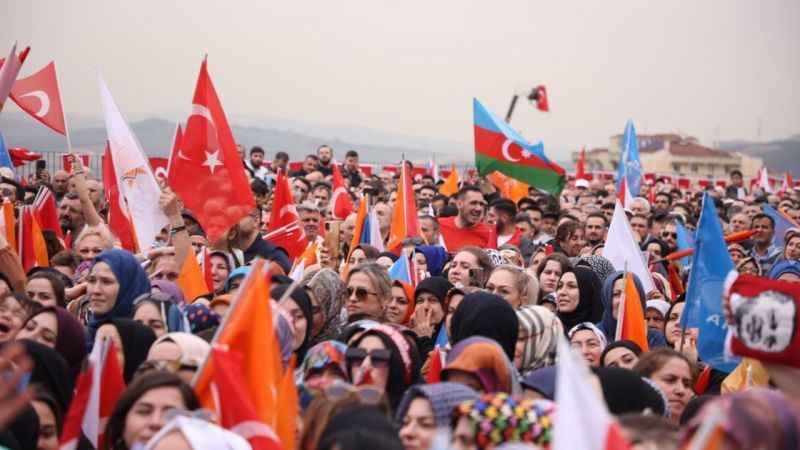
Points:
[(178, 234), (79, 178), (10, 266)]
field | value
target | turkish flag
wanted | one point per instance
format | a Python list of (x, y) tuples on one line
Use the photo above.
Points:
[(47, 212), (118, 219), (159, 166), (66, 162), (540, 96), (580, 167), (284, 228), (38, 95), (206, 172), (342, 203), (20, 156)]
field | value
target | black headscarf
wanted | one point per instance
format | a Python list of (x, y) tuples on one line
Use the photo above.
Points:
[(50, 371), (626, 392), (590, 308), (136, 341), (300, 296), (22, 433), (438, 286), (487, 315)]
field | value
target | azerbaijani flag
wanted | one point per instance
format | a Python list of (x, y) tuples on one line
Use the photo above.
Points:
[(499, 147)]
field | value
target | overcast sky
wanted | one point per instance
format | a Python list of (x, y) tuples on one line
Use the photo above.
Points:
[(713, 69)]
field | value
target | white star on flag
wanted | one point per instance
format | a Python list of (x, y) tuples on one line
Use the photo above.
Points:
[(526, 154), (212, 161)]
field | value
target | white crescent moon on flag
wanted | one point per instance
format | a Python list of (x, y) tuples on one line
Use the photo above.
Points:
[(161, 171), (200, 110), (44, 101), (506, 145)]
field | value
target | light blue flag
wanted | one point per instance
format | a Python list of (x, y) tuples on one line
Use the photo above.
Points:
[(5, 158), (401, 269), (630, 166), (781, 225), (711, 263), (684, 241)]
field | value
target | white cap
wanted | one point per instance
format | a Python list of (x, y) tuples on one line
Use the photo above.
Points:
[(659, 305), (582, 183)]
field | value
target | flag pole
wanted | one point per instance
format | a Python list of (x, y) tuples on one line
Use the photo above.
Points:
[(61, 99)]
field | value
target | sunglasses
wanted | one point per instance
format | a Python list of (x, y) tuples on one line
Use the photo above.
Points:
[(361, 293), (173, 366), (366, 395), (667, 234), (378, 358)]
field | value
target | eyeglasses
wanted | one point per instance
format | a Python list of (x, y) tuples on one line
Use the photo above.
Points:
[(378, 358), (173, 366), (666, 234), (339, 390), (361, 293)]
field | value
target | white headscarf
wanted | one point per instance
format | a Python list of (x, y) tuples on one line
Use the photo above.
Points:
[(201, 435)]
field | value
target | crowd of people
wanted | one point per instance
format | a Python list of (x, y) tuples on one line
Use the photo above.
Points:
[(464, 357)]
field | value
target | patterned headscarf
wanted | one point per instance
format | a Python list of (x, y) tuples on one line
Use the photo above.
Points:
[(201, 317), (498, 418), (443, 397), (601, 266), (330, 290), (755, 418), (324, 355), (543, 329)]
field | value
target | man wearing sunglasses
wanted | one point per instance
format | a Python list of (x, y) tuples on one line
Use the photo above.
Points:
[(669, 234)]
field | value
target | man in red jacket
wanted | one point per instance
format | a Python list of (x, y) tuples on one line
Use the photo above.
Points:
[(467, 227)]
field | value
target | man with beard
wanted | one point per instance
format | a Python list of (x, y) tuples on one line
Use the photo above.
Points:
[(429, 228), (764, 250), (255, 165), (70, 214), (325, 155), (502, 212), (351, 169), (467, 228), (595, 228), (309, 165), (252, 243)]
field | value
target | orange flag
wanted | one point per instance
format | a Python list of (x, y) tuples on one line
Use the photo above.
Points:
[(249, 329), (191, 279), (509, 187), (32, 248), (450, 185), (404, 217), (9, 224), (630, 321), (288, 406)]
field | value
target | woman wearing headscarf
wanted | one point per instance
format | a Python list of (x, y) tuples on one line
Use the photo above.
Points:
[(157, 311), (755, 418), (200, 317), (180, 353), (429, 312), (425, 408), (601, 266), (324, 363), (132, 341), (329, 290), (298, 306), (50, 371), (435, 258), (114, 281), (481, 364), (187, 432), (172, 290), (578, 297), (487, 315), (539, 331), (384, 358), (55, 327), (611, 295), (500, 419), (401, 303)]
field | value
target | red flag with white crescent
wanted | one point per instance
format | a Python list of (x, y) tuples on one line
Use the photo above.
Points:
[(341, 201), (207, 173), (118, 219), (39, 96)]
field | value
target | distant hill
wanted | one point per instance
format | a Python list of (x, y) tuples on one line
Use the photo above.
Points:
[(779, 155), (156, 134)]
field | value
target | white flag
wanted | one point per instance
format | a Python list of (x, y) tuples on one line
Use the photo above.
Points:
[(134, 176), (581, 408), (623, 251)]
